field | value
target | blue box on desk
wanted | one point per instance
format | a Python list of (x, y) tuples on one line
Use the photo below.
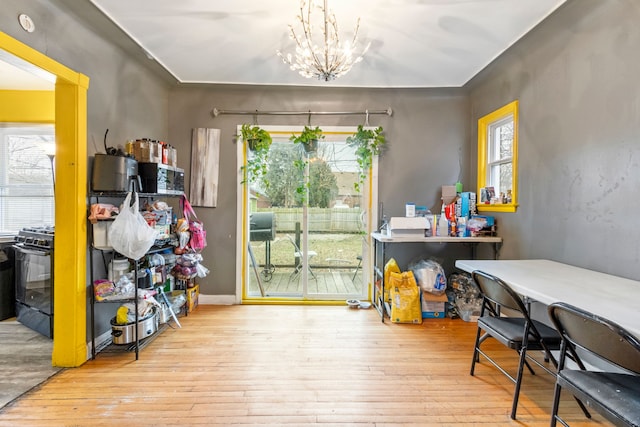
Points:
[(433, 306), (466, 204), (490, 220)]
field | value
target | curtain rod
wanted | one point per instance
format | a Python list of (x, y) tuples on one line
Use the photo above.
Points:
[(215, 112)]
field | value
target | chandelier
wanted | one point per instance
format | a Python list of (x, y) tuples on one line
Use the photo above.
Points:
[(319, 52)]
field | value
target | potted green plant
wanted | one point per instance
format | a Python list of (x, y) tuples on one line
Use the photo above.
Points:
[(308, 138), (258, 140), (368, 143)]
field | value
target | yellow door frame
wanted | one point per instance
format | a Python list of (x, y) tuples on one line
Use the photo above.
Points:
[(70, 261)]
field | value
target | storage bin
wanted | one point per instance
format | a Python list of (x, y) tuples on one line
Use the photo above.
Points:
[(101, 235), (192, 297)]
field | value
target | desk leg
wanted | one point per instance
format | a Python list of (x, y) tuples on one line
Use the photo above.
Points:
[(378, 274), (382, 305), (496, 250)]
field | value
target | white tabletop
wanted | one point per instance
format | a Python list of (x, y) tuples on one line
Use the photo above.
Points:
[(612, 297)]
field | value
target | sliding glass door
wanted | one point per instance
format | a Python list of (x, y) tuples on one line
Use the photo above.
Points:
[(305, 221)]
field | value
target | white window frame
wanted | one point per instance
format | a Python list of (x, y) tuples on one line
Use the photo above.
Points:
[(37, 209)]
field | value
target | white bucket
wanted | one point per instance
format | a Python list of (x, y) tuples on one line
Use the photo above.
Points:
[(118, 268)]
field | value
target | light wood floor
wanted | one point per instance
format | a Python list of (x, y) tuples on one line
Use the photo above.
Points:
[(292, 365)]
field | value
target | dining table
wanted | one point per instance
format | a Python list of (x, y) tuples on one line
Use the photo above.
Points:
[(546, 281)]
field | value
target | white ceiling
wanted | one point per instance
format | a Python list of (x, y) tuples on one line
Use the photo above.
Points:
[(414, 43), (17, 74)]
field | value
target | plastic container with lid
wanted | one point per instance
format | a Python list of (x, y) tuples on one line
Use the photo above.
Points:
[(118, 268)]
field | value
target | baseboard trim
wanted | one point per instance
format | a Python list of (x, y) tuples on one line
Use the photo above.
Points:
[(217, 299)]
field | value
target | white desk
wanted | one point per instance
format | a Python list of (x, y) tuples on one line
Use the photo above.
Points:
[(611, 297), (382, 240)]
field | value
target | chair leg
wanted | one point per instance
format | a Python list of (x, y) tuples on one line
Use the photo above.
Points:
[(516, 392), (556, 404), (355, 273), (476, 354), (529, 367)]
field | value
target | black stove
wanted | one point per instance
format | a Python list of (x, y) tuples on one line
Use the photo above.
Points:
[(34, 278), (36, 237)]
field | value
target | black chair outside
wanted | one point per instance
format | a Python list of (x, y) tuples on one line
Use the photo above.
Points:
[(518, 331), (614, 393)]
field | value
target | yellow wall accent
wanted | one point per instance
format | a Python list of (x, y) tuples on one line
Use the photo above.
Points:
[(70, 263), (27, 106), (483, 130)]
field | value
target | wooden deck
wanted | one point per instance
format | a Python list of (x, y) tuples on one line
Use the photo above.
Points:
[(274, 365), (325, 281)]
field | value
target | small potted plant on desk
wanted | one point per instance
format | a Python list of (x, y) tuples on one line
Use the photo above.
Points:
[(368, 143), (258, 141)]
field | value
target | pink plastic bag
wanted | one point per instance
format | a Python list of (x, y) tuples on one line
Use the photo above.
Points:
[(198, 240)]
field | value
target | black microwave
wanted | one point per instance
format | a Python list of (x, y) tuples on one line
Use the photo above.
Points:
[(160, 178)]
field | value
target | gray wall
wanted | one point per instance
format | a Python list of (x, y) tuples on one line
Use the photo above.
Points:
[(576, 77), (427, 147), (125, 95)]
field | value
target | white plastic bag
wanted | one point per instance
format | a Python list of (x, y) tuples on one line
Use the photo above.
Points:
[(130, 234), (430, 276)]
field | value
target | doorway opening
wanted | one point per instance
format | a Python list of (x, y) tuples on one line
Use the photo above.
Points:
[(70, 164)]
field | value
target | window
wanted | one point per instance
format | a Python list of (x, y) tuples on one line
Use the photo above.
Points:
[(498, 160), (26, 176)]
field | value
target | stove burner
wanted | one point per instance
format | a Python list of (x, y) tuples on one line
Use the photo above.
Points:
[(39, 237)]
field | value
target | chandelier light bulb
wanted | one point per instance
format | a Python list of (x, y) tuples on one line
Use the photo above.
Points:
[(328, 59)]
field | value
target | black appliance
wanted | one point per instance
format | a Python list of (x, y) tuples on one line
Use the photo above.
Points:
[(7, 281), (160, 178), (34, 278), (262, 228), (112, 173)]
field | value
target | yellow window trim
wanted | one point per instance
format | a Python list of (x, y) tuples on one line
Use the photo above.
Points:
[(483, 126)]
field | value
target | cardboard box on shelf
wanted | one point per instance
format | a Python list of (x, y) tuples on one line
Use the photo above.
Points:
[(448, 194), (403, 226), (192, 297), (433, 306)]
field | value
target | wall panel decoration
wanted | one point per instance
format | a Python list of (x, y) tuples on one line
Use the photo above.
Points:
[(205, 165)]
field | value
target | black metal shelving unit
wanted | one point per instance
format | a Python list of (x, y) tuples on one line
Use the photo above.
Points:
[(138, 344)]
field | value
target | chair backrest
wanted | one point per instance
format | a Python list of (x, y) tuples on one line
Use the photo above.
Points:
[(293, 242), (598, 336), (495, 290)]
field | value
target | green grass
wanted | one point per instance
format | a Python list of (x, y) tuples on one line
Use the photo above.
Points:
[(330, 248)]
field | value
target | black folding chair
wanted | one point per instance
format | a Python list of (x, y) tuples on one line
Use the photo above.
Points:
[(517, 331), (613, 389)]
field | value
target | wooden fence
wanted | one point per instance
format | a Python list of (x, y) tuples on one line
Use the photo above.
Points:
[(321, 220)]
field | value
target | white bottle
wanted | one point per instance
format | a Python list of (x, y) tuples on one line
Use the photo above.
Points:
[(384, 228), (443, 226), (410, 210)]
